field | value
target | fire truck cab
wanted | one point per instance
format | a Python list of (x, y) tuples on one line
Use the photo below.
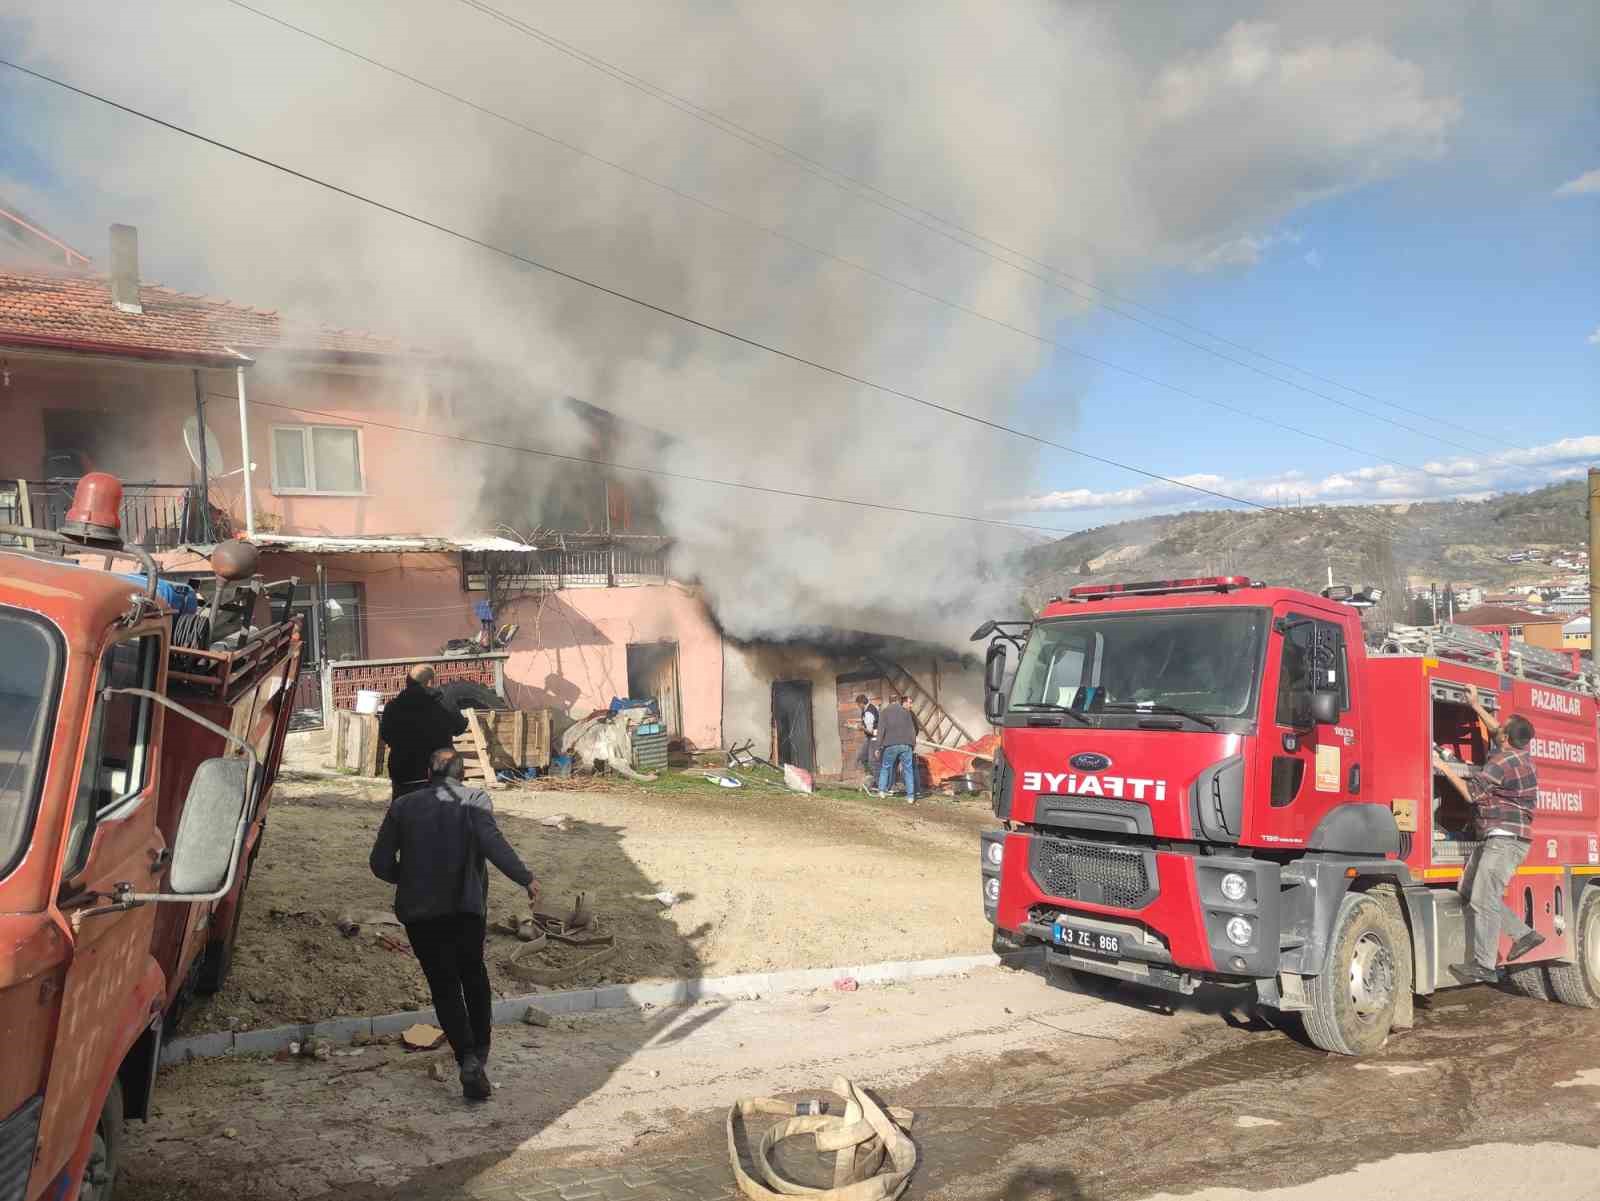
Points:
[(1214, 780)]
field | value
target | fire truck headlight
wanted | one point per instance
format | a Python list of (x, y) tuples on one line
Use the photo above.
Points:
[(1239, 931), (1234, 886), (991, 890), (996, 853)]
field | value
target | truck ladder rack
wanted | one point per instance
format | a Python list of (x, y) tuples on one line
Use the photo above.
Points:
[(221, 672), (1462, 644)]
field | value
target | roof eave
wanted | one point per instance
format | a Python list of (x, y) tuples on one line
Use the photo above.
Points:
[(157, 354)]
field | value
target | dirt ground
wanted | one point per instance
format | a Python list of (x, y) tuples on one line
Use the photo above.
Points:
[(764, 879)]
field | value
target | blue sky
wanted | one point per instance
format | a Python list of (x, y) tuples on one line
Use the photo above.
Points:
[(1447, 290)]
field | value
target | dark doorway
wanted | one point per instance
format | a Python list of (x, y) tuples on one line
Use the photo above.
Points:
[(791, 719), (653, 674)]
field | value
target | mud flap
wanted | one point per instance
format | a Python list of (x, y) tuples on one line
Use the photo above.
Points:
[(1405, 981)]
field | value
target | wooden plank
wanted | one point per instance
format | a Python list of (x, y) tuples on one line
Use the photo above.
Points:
[(475, 729), (519, 738)]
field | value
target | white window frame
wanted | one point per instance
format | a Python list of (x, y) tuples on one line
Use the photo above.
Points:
[(311, 467)]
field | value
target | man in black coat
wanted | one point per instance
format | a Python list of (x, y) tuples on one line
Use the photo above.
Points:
[(414, 725), (432, 846)]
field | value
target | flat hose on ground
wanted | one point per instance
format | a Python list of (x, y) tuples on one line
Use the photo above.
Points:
[(862, 1138)]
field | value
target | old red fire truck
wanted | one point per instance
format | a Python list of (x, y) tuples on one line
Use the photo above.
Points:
[(141, 725), (1213, 780)]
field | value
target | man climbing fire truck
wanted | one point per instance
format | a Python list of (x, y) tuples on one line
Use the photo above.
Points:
[(1214, 780)]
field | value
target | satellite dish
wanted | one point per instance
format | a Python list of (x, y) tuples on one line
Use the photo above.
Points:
[(191, 443)]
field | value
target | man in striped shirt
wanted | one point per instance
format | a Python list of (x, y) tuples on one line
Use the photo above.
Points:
[(1503, 797)]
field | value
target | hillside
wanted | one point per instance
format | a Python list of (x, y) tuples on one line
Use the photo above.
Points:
[(1386, 545)]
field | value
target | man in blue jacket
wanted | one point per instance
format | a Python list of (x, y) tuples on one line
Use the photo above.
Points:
[(432, 846)]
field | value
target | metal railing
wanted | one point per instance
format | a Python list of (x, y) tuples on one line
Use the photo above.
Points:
[(154, 516)]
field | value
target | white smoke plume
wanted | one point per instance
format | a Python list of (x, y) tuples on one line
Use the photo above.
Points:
[(1102, 138)]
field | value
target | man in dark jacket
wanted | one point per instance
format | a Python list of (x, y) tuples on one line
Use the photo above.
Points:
[(898, 730), (1504, 796), (414, 725), (432, 846), (867, 758)]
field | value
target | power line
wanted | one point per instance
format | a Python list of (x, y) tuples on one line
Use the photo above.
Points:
[(817, 250), (962, 236), (471, 240), (687, 477)]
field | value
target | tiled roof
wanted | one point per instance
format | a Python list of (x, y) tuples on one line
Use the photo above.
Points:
[(1502, 615), (74, 311)]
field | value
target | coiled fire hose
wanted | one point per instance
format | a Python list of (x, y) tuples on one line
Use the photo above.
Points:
[(862, 1138)]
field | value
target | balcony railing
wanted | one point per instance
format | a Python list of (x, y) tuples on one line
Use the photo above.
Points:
[(155, 516)]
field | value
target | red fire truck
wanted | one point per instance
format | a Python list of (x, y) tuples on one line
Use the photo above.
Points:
[(141, 725), (1214, 780)]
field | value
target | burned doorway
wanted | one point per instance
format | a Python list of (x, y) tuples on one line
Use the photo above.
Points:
[(791, 722), (653, 674)]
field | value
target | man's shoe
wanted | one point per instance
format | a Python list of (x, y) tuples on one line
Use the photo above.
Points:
[(474, 1080), (1523, 945), (1472, 973)]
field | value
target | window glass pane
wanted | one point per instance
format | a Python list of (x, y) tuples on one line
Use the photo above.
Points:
[(289, 458), (1204, 662), (336, 459), (27, 677), (342, 622), (116, 760), (1294, 677)]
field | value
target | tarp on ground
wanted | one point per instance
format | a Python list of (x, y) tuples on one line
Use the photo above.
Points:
[(945, 765)]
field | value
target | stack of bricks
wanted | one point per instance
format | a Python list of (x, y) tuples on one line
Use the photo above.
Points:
[(387, 679)]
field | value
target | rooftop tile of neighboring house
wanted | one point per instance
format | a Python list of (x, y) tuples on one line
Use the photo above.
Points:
[(74, 311), (1502, 615)]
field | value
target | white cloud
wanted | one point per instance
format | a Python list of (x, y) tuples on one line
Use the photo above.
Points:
[(1584, 185), (1463, 478), (1594, 338), (1314, 259), (1244, 251)]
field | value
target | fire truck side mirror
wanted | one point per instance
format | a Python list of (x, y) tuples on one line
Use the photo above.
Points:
[(994, 678), (1325, 708), (209, 830)]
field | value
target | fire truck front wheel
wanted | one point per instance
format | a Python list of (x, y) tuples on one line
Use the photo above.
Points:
[(1352, 1001), (1578, 983)]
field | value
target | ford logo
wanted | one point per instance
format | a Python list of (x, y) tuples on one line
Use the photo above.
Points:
[(1090, 761)]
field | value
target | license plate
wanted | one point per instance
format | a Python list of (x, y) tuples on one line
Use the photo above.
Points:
[(1091, 941)]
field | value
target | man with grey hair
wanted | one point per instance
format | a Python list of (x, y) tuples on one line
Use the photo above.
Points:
[(414, 725), (432, 846)]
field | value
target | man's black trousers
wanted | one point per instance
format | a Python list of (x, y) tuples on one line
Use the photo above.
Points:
[(450, 950)]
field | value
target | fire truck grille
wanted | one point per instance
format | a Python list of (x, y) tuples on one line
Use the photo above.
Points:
[(1098, 874)]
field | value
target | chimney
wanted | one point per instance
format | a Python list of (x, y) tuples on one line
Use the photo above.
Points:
[(125, 269)]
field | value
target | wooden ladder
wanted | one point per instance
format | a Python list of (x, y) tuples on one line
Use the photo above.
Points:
[(934, 722)]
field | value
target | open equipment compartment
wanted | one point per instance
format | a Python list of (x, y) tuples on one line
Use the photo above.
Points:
[(1458, 735)]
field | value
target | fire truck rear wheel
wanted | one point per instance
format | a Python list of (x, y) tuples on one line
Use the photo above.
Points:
[(1530, 981), (1353, 999), (105, 1152), (1578, 983)]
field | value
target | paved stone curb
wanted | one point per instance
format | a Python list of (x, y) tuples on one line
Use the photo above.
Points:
[(615, 996)]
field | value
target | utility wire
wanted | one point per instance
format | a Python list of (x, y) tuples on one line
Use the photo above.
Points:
[(471, 240), (686, 477), (810, 248), (963, 236)]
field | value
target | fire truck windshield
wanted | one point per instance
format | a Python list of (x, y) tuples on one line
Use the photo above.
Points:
[(1202, 661), (30, 666)]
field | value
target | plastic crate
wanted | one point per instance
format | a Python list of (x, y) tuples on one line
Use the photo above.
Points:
[(650, 751)]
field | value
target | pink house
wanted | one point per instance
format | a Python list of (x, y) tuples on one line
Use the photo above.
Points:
[(356, 462)]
